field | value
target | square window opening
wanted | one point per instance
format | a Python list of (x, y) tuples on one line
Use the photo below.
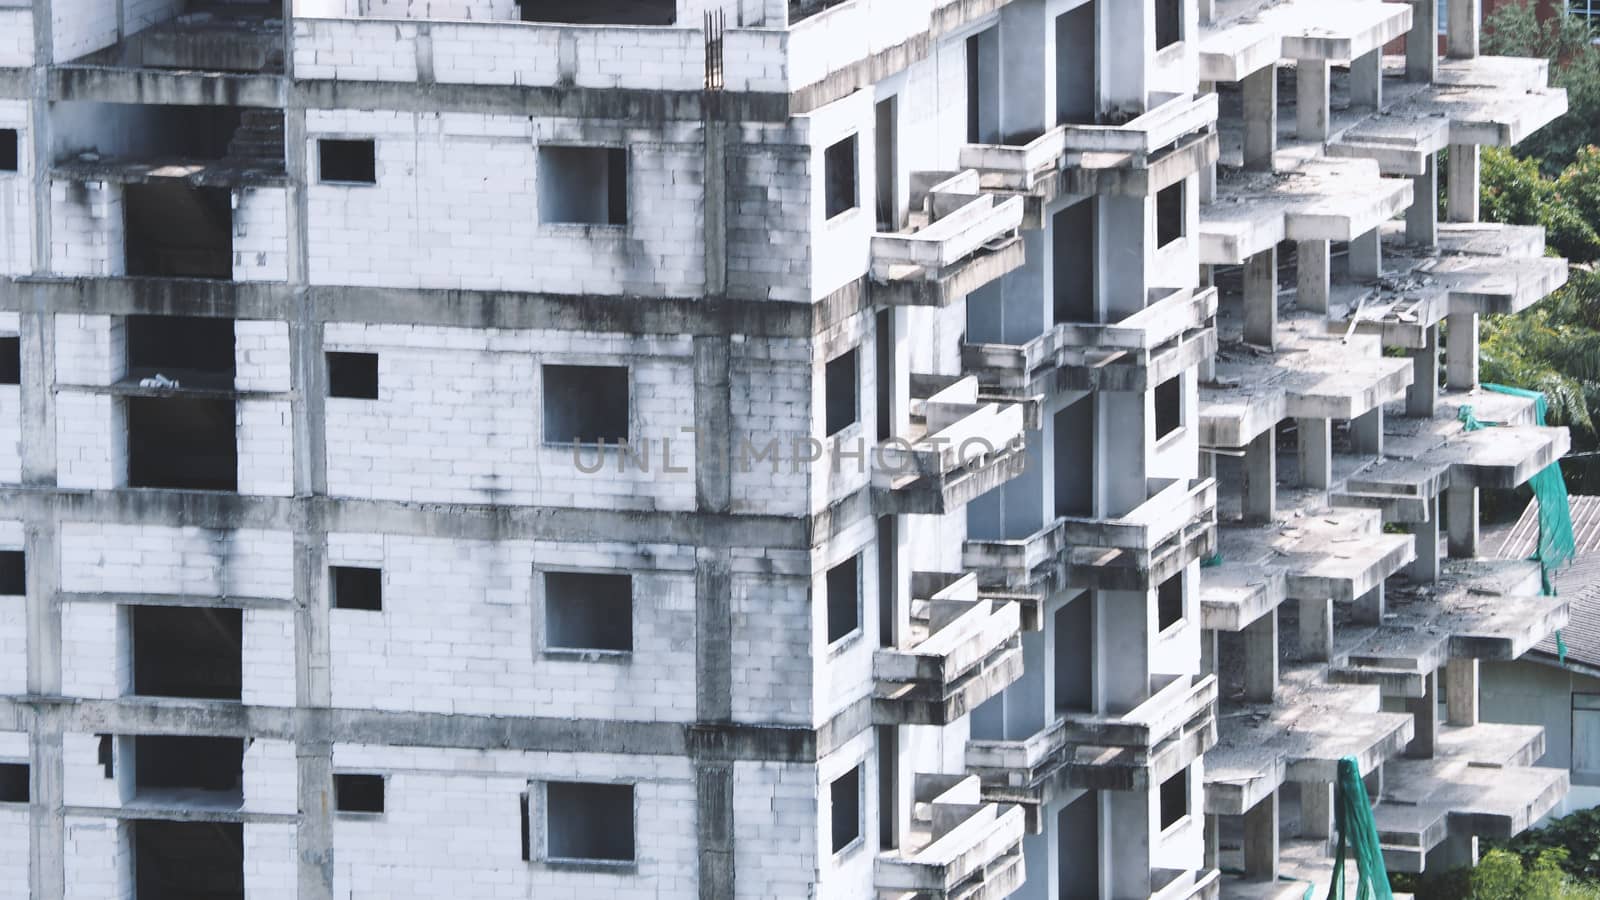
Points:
[(583, 185), (357, 587), (186, 651), (844, 599), (10, 360), (354, 793), (188, 860), (1170, 214), (588, 611), (195, 351), (839, 177), (1174, 799), (1169, 406), (184, 443), (1169, 602), (1169, 23), (347, 161), (172, 229), (353, 375), (13, 782), (589, 822), (844, 794), (174, 767), (13, 573), (10, 150), (585, 404), (842, 393)]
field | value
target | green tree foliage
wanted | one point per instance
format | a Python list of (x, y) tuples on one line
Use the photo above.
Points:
[(1514, 30), (1503, 875), (1576, 837), (1553, 348), (1516, 192)]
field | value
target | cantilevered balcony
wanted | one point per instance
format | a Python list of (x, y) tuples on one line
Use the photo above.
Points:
[(958, 447), (960, 240), (1171, 334), (1183, 884), (1173, 527), (1131, 751), (959, 848), (1170, 142), (962, 650)]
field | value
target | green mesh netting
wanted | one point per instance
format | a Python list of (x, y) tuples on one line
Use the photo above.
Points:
[(1353, 816)]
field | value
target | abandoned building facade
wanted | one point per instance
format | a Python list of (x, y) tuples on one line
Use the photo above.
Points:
[(948, 449)]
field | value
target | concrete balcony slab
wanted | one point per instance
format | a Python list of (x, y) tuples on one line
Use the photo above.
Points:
[(958, 848), (1170, 118), (958, 448), (1323, 199), (1247, 35), (962, 240), (1232, 597), (1487, 802), (962, 650)]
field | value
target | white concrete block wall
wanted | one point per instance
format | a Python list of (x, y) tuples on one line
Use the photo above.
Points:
[(93, 650), (441, 9), (261, 235), (14, 832), (769, 233), (90, 441), (270, 859), (841, 245), (84, 781), (78, 27), (849, 873), (16, 38), (10, 415), (775, 849), (270, 776), (844, 669), (99, 860), (267, 658), (90, 349), (86, 227), (159, 559), (768, 383), (261, 355), (461, 631), (265, 447), (352, 48), (16, 194), (459, 199), (459, 418), (845, 466), (456, 812), (13, 645), (1183, 845), (773, 669)]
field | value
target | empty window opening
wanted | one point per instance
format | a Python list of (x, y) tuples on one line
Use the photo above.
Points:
[(844, 600), (883, 348), (104, 756), (347, 162), (9, 144), (845, 796), (527, 830), (154, 134), (583, 185), (186, 443), (358, 793), (839, 178), (1073, 240), (188, 860), (173, 230), (600, 12), (1074, 650), (1169, 214), (192, 770), (589, 822), (357, 587), (983, 87), (353, 375), (1075, 458), (585, 404), (886, 150), (842, 396), (13, 782), (183, 651), (10, 360), (1169, 602), (1169, 406), (1169, 23), (13, 573), (1077, 65), (195, 351), (588, 611), (888, 786), (1174, 799)]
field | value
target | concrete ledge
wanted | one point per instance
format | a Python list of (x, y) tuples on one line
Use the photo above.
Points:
[(109, 84)]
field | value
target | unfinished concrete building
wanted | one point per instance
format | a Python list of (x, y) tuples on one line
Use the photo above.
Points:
[(744, 448)]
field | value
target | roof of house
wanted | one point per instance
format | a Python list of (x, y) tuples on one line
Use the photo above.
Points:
[(1578, 581)]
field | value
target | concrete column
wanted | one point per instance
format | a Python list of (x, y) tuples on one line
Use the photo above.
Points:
[(1261, 840), (1261, 477), (1261, 298), (1461, 351), (1465, 24), (1316, 453), (1213, 841), (1461, 508), (1027, 70), (1422, 218), (1208, 651), (1461, 691), (1425, 568), (1461, 193), (1366, 256), (1311, 100), (1459, 850), (1426, 711), (1366, 81), (1316, 809), (1316, 629), (1422, 44), (1261, 658), (1208, 174), (1312, 265), (1260, 94), (1369, 607), (1366, 432), (1422, 396)]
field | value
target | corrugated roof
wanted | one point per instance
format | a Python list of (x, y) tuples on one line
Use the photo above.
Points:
[(1579, 581)]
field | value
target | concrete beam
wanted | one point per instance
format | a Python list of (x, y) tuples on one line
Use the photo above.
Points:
[(1461, 691), (1425, 710), (1366, 432), (1260, 90), (1261, 658), (1261, 478), (1316, 809), (1422, 219), (1461, 351), (1366, 256), (1463, 172), (1311, 100), (1261, 840), (1422, 44), (1316, 453), (1465, 26), (1261, 298), (1422, 396), (1316, 629), (1313, 271), (1461, 510), (1366, 81)]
